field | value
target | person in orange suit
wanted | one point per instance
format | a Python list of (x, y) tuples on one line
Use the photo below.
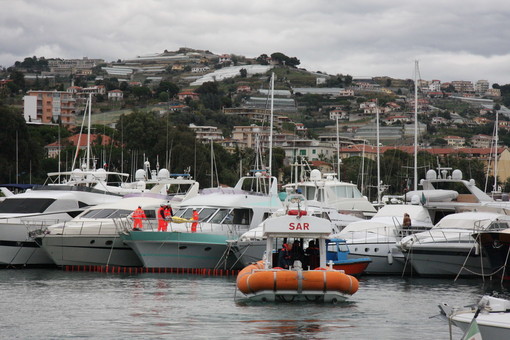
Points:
[(194, 217), (138, 216), (168, 214), (162, 223)]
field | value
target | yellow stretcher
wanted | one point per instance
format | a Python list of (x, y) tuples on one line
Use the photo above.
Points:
[(176, 219)]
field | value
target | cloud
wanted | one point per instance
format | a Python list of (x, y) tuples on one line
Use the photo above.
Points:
[(454, 40)]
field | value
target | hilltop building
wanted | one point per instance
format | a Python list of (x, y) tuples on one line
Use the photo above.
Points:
[(50, 107)]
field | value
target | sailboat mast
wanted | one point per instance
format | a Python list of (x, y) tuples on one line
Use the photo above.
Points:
[(378, 153), (416, 125), (337, 149), (496, 153), (88, 134), (271, 126)]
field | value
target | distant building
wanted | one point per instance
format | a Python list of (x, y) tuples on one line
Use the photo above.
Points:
[(115, 95), (50, 107), (55, 148), (455, 141), (187, 94), (207, 133), (481, 141)]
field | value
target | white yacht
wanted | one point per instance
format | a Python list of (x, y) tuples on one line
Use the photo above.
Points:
[(224, 214), (92, 238), (448, 248), (328, 191), (376, 238), (23, 214)]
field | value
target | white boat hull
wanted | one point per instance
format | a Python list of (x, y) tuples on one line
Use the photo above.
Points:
[(89, 250), (18, 248)]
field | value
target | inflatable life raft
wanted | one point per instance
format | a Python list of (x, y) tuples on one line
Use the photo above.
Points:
[(276, 284)]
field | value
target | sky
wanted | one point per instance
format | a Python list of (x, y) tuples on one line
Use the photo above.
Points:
[(451, 39)]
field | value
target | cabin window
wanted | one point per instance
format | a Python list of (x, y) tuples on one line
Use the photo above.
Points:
[(346, 192), (242, 216), (206, 213), (308, 192), (498, 226), (219, 216), (25, 205), (182, 212)]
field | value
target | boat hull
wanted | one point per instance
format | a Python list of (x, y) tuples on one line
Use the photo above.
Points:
[(447, 260), (18, 248), (386, 258), (491, 325), (181, 250), (89, 250)]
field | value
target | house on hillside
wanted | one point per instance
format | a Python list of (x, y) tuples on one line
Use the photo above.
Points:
[(455, 141), (53, 149)]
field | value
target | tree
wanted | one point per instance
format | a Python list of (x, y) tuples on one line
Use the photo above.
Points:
[(243, 72)]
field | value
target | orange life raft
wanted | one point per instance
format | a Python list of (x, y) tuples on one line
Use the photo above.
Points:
[(254, 280)]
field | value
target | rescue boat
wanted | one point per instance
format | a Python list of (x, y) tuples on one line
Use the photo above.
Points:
[(265, 281)]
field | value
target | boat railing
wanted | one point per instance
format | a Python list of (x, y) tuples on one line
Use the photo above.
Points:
[(383, 234), (126, 224), (36, 227), (447, 236)]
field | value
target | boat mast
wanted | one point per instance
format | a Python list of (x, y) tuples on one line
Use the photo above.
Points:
[(337, 149), (416, 125), (271, 126), (496, 153), (378, 153), (88, 134)]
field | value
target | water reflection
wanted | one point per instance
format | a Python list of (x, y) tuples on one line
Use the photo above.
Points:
[(292, 329)]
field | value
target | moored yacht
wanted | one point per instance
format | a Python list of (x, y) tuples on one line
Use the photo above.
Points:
[(376, 238), (21, 215), (328, 191), (92, 238), (224, 214), (448, 248)]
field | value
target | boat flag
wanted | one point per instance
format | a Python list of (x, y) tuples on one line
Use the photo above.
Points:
[(473, 333), (423, 199)]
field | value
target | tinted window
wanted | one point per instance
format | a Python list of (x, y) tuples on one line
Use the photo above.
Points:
[(219, 216), (25, 205)]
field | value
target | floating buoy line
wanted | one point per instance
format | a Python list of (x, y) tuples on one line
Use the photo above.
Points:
[(141, 270)]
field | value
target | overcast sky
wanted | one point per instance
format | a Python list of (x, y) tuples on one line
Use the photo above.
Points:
[(451, 39)]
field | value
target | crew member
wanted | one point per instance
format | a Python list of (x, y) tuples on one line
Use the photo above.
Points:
[(162, 223), (194, 217), (137, 216), (285, 256), (168, 214)]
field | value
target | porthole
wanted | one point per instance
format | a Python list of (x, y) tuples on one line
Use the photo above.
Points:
[(356, 249), (367, 250), (207, 248), (376, 249), (92, 241), (109, 242), (182, 247)]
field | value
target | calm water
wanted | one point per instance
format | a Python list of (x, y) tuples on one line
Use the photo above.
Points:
[(54, 304)]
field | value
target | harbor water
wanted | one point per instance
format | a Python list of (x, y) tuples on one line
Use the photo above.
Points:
[(57, 304)]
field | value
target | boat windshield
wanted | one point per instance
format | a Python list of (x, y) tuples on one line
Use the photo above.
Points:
[(25, 205), (346, 191), (307, 191)]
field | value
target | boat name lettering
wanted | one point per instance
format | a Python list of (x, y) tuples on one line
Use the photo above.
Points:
[(299, 226)]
